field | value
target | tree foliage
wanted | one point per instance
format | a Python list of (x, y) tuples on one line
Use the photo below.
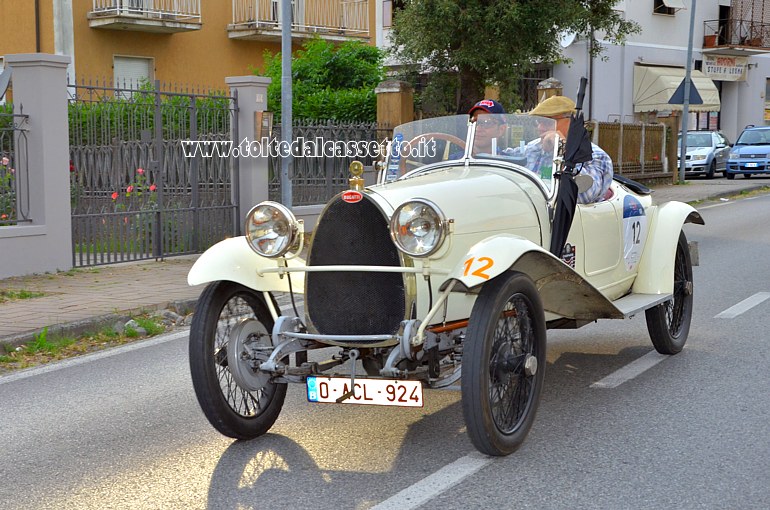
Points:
[(329, 81), (484, 42)]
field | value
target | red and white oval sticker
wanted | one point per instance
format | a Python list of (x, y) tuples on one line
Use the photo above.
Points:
[(352, 197)]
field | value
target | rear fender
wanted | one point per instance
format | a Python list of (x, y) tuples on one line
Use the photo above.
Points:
[(233, 260), (656, 267), (563, 291)]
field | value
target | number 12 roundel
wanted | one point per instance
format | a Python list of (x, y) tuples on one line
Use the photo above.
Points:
[(634, 231)]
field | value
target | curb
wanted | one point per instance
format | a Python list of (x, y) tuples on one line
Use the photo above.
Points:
[(83, 326)]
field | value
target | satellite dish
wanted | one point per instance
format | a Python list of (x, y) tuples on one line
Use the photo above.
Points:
[(566, 38), (5, 80)]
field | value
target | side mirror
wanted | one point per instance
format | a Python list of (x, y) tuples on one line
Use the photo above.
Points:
[(721, 146)]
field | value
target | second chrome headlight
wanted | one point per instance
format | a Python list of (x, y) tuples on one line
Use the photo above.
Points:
[(271, 229), (418, 227)]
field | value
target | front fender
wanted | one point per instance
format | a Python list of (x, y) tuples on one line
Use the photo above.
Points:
[(233, 260), (656, 267), (563, 291)]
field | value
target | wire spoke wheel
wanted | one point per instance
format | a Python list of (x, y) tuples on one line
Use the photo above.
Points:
[(503, 364), (232, 317), (669, 323)]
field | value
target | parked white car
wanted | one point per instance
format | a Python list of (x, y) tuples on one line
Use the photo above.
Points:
[(707, 153), (440, 272)]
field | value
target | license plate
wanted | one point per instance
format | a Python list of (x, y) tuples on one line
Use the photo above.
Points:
[(381, 392), (751, 165)]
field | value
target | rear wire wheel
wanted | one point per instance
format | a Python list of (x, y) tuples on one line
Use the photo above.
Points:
[(233, 410), (669, 322), (503, 364)]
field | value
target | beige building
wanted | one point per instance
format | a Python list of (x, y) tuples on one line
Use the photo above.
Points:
[(188, 42)]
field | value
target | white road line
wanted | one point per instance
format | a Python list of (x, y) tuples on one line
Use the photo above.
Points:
[(744, 306), (630, 371), (433, 485), (80, 360)]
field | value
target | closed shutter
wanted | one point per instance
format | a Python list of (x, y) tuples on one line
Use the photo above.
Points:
[(131, 72)]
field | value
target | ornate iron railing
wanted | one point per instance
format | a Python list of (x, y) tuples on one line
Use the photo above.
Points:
[(14, 171)]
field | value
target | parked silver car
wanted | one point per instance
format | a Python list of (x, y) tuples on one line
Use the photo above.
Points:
[(707, 153)]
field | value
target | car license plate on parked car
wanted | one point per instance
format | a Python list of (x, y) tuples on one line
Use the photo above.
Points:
[(383, 392), (751, 165)]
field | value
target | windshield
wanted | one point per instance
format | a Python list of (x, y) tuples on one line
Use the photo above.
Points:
[(754, 137), (508, 138), (697, 140)]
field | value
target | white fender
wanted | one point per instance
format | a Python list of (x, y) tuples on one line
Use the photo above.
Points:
[(656, 267), (233, 260), (563, 290)]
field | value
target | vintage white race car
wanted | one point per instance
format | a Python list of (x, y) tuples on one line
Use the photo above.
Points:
[(439, 272)]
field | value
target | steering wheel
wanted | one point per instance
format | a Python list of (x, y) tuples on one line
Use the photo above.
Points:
[(407, 147)]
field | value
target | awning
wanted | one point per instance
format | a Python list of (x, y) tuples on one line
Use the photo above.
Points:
[(674, 4), (654, 86)]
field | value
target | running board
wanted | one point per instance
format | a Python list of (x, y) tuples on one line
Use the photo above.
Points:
[(632, 304)]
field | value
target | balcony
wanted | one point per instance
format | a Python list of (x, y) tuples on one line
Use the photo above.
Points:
[(736, 37), (337, 20), (159, 16)]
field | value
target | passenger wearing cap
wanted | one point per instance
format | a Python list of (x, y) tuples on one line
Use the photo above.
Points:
[(560, 109), (490, 129)]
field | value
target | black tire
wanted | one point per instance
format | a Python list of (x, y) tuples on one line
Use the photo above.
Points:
[(712, 169), (729, 175), (669, 322), (500, 396), (747, 176), (231, 409)]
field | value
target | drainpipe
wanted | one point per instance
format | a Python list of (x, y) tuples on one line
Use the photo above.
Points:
[(37, 26)]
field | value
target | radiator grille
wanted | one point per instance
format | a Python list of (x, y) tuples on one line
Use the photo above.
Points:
[(354, 303)]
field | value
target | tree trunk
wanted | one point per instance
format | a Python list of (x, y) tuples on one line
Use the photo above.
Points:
[(471, 89)]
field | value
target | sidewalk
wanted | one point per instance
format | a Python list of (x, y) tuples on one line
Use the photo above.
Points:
[(84, 299)]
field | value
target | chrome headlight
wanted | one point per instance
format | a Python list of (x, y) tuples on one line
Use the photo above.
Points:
[(418, 227), (271, 229), (734, 155), (698, 157)]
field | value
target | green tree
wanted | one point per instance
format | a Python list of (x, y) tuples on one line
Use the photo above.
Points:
[(329, 81), (484, 42)]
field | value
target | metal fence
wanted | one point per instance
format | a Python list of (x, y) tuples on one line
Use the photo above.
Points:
[(14, 173), (637, 150), (323, 171), (135, 193)]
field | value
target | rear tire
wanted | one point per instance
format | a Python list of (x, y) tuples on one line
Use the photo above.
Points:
[(231, 409), (503, 364), (669, 322)]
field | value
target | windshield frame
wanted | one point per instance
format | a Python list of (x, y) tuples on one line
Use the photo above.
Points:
[(519, 148)]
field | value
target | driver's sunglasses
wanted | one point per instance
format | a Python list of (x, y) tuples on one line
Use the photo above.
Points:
[(487, 122)]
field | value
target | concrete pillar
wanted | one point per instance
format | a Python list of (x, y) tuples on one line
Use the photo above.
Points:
[(252, 171), (547, 88), (395, 103), (44, 243)]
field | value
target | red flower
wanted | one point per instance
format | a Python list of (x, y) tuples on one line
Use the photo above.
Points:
[(114, 195), (140, 171), (129, 189), (153, 187), (3, 217)]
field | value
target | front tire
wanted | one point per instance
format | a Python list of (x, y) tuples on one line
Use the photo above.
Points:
[(712, 169), (669, 322), (503, 364), (231, 409), (729, 175)]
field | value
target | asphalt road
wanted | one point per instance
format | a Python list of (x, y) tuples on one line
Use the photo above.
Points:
[(122, 429)]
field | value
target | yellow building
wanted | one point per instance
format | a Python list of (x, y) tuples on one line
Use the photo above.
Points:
[(188, 42)]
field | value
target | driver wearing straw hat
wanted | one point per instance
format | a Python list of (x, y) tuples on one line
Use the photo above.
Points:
[(560, 109)]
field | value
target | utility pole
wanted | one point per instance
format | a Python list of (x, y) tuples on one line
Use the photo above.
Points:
[(686, 102), (286, 98)]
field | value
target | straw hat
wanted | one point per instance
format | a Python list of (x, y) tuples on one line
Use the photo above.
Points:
[(553, 106)]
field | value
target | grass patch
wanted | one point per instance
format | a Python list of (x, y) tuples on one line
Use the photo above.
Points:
[(8, 295), (45, 348)]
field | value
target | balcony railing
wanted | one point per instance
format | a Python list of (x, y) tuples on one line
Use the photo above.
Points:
[(748, 36), (147, 15), (340, 19)]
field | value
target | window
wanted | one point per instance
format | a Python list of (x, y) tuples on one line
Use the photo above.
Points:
[(389, 8), (668, 7), (131, 72)]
